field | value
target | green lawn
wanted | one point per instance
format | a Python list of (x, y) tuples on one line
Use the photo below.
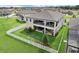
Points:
[(37, 37), (34, 36), (9, 44), (64, 37)]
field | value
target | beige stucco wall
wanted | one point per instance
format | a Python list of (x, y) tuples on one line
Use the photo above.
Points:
[(29, 24), (60, 24)]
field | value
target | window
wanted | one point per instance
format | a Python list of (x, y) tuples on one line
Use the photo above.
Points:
[(30, 20), (22, 18), (57, 23)]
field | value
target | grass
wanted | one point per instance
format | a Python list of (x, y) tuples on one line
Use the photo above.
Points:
[(64, 37), (34, 36), (37, 37), (67, 17), (9, 44)]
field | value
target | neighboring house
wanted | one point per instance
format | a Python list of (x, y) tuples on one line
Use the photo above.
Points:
[(20, 17), (73, 23), (47, 22), (21, 14), (5, 12), (73, 41)]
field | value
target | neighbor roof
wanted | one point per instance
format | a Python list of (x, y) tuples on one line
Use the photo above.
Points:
[(46, 15), (25, 12), (5, 11), (74, 23)]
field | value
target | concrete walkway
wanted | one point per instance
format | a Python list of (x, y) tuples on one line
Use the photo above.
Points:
[(10, 33)]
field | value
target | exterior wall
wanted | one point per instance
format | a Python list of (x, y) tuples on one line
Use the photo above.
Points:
[(60, 24), (24, 18), (29, 23), (20, 19)]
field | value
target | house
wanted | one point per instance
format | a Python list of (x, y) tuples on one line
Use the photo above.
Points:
[(5, 12), (73, 41), (73, 23), (45, 21), (21, 14)]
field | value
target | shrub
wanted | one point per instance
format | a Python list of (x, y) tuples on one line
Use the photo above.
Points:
[(30, 29)]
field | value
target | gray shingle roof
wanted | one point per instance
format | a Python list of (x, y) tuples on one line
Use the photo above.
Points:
[(74, 23), (47, 15), (25, 12), (5, 11)]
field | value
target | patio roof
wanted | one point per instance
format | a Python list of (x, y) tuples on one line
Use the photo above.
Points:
[(74, 23)]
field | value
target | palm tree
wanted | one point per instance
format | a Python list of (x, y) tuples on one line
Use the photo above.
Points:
[(45, 40)]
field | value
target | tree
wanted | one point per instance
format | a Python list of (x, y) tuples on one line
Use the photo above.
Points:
[(74, 16), (45, 40), (69, 12)]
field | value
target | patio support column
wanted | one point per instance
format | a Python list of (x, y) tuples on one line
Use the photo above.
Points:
[(24, 18), (44, 27), (54, 28), (54, 24), (32, 23), (28, 23)]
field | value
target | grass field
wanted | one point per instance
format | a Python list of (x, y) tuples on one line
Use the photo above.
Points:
[(9, 44)]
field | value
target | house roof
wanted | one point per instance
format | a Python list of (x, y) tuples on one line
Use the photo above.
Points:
[(73, 38), (46, 15), (76, 27), (74, 23), (4, 11), (25, 12)]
